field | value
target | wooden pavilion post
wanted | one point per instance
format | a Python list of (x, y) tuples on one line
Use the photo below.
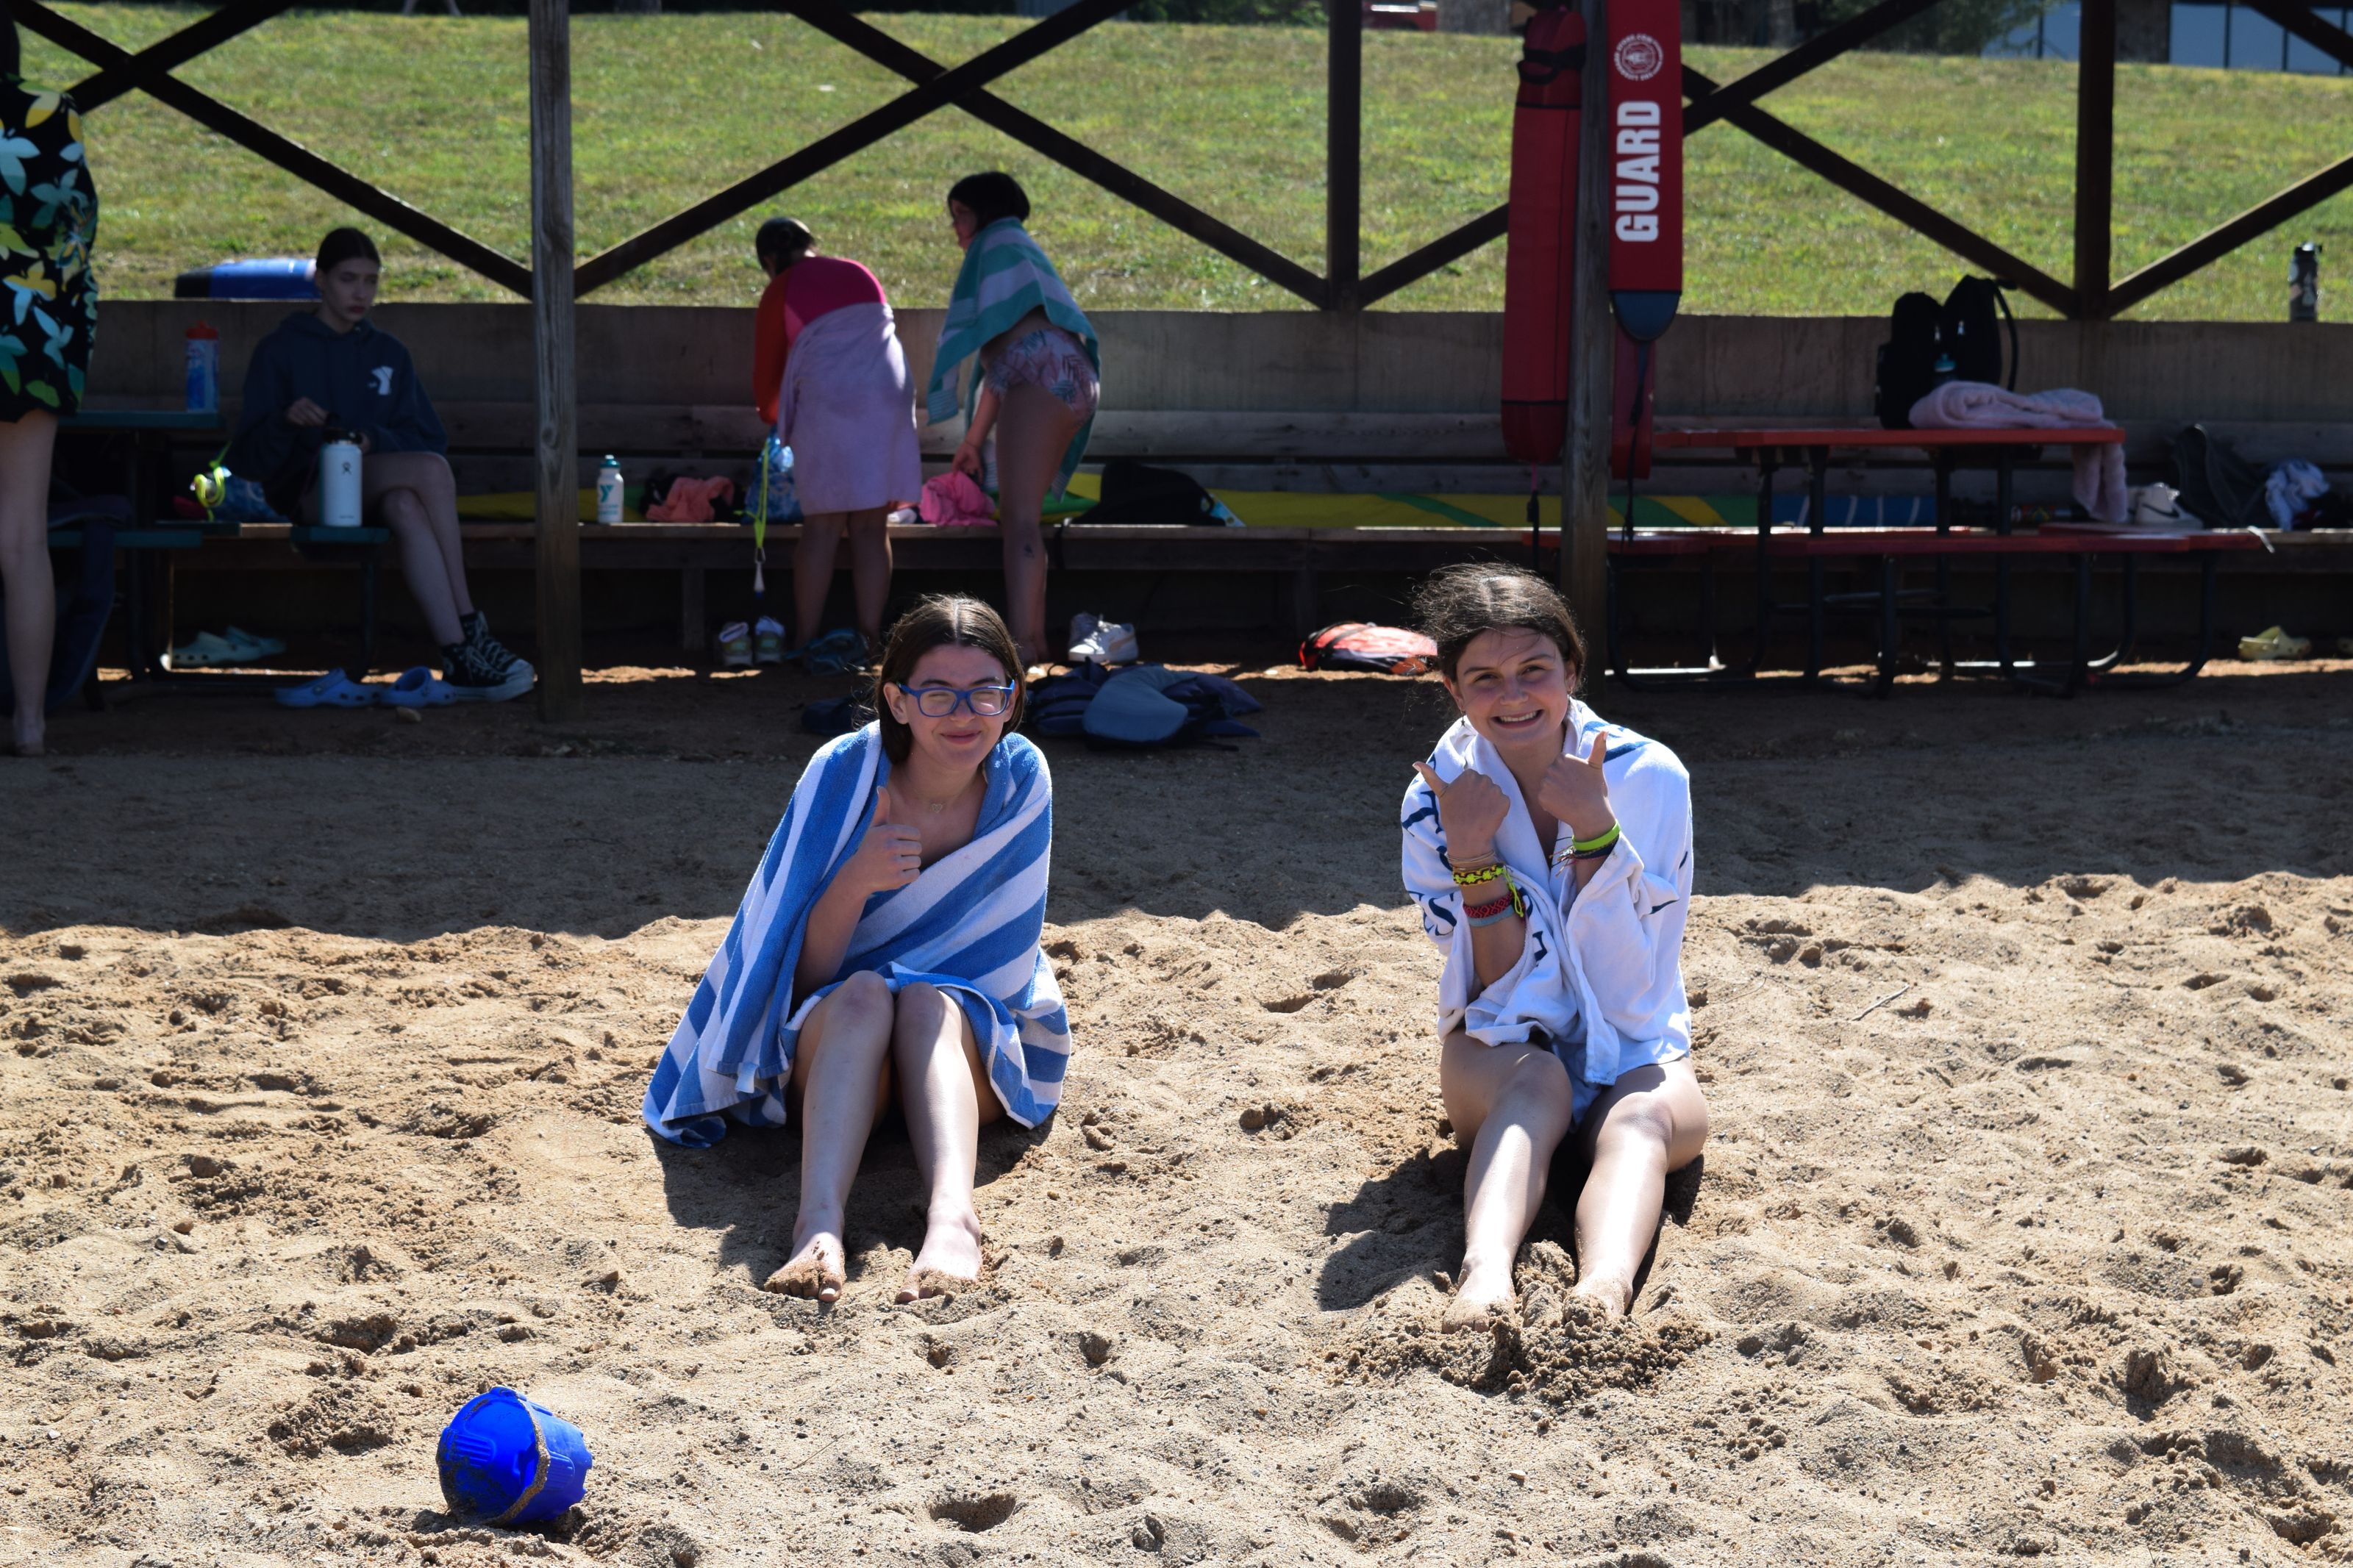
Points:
[(551, 247), (2096, 141), (1344, 155), (1593, 345)]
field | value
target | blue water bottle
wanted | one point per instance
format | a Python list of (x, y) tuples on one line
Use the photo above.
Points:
[(204, 370)]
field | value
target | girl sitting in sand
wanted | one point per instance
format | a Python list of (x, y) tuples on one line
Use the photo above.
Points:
[(1551, 856), (890, 940)]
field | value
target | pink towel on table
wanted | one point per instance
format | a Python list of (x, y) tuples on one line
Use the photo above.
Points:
[(692, 501), (2099, 485), (954, 500)]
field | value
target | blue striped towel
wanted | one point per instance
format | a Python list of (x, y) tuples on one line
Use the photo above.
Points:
[(968, 924), (1005, 276)]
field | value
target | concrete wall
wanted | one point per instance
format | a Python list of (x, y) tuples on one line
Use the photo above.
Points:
[(1711, 368)]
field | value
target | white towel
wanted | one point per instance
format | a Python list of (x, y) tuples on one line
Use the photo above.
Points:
[(2099, 486), (1601, 971), (848, 411), (968, 924)]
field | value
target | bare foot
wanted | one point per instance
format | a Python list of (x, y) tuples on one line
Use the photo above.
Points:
[(815, 1271), (1613, 1298), (949, 1261), (1485, 1295)]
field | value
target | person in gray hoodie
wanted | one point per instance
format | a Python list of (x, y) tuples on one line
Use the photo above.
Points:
[(330, 368)]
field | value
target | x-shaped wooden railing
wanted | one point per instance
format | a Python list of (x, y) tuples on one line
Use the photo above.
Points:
[(2091, 294)]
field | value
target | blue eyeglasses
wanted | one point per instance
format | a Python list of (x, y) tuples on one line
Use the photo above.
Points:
[(939, 702)]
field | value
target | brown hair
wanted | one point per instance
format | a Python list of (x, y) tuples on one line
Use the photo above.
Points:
[(942, 620), (1456, 602)]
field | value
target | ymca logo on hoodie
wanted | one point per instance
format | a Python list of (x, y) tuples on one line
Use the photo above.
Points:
[(363, 378)]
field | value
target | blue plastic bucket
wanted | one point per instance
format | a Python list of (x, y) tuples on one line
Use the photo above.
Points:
[(506, 1460)]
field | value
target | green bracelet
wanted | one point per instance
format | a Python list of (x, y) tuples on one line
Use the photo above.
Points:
[(1595, 845)]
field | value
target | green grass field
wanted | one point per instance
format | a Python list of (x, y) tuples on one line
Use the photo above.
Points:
[(670, 107)]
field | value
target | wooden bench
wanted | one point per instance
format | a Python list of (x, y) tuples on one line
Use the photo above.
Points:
[(2079, 544)]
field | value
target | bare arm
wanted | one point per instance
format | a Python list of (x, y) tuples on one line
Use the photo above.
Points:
[(975, 435), (1471, 810)]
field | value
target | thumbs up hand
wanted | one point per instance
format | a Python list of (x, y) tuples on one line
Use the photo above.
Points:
[(1471, 809), (889, 856), (1574, 790)]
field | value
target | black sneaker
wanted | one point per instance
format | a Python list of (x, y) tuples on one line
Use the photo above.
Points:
[(495, 654), (473, 679)]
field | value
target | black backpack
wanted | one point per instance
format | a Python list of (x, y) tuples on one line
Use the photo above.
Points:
[(1968, 326), (1137, 494), (2218, 487)]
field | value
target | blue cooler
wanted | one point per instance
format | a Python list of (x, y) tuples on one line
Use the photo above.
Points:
[(269, 277)]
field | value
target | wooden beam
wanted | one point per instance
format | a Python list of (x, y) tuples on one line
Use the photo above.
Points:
[(2095, 154), (557, 390), (2333, 41), (1908, 210), (292, 157), (1443, 252), (166, 54), (1344, 155), (1783, 70), (837, 22), (947, 88), (1593, 356), (2217, 242)]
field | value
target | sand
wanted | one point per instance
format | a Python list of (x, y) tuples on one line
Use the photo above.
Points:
[(2023, 1232)]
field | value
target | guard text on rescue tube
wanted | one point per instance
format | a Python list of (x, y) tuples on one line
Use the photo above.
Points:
[(1637, 200)]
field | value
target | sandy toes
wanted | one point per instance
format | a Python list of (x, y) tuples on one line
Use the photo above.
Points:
[(948, 1264), (815, 1271), (1611, 1298), (1485, 1296)]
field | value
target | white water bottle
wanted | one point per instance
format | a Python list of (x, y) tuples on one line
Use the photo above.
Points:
[(608, 490), (339, 481)]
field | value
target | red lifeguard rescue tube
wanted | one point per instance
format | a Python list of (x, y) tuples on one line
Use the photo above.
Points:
[(1646, 210), (1540, 244)]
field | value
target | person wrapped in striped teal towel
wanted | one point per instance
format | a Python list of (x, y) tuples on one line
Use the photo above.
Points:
[(1040, 378), (889, 944)]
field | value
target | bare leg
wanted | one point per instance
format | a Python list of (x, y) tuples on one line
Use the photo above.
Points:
[(1513, 1103), (842, 1070), (421, 562), (944, 1091), (32, 591), (425, 476), (813, 572), (1652, 1121), (1034, 428), (870, 570)]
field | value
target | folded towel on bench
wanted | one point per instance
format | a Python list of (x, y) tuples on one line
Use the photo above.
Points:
[(2099, 486)]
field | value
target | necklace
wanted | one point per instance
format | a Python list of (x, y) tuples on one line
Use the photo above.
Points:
[(934, 807)]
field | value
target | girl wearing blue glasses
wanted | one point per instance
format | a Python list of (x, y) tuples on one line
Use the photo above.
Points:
[(889, 942)]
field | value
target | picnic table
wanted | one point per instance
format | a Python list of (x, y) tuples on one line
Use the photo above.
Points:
[(1815, 544)]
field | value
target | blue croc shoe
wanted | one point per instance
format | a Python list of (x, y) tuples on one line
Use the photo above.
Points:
[(416, 688), (333, 689)]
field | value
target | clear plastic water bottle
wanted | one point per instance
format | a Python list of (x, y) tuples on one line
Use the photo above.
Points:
[(204, 370), (608, 490)]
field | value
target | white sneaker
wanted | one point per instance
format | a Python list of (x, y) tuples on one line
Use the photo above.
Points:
[(1104, 642), (735, 646), (768, 640)]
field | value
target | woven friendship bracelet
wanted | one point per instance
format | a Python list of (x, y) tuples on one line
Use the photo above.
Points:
[(1471, 879)]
